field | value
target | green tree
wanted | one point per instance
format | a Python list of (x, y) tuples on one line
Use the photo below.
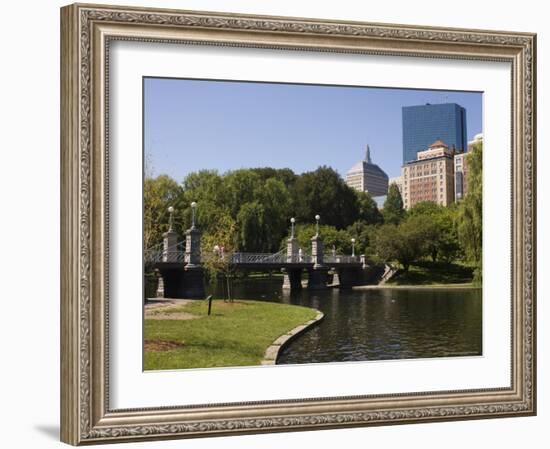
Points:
[(251, 222), (449, 244), (428, 208), (218, 247), (338, 239), (438, 224), (158, 194), (364, 235), (218, 195), (285, 175), (325, 193), (206, 187), (240, 186), (470, 217), (405, 242), (276, 200), (393, 211), (368, 210)]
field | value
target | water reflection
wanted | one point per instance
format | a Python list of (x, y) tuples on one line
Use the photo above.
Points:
[(379, 324)]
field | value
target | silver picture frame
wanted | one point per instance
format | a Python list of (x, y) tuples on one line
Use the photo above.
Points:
[(87, 32)]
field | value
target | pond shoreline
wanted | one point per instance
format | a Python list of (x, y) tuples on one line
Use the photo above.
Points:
[(468, 286), (273, 351)]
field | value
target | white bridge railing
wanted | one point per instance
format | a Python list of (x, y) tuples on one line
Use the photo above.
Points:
[(253, 258), (156, 255), (280, 257)]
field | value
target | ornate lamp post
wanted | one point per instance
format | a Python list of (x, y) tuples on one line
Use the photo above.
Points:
[(170, 240), (171, 219), (317, 218), (317, 278), (352, 247), (292, 245), (193, 242), (193, 210), (194, 275)]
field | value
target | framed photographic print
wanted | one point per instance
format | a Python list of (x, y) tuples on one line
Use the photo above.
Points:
[(279, 224)]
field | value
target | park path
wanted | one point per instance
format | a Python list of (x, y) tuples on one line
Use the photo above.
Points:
[(163, 310)]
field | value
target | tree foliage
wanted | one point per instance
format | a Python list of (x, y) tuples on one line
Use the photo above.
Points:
[(159, 194), (428, 231), (440, 230), (404, 242), (367, 209), (393, 211), (364, 235), (261, 201), (218, 247), (470, 216), (324, 192), (337, 239), (252, 226)]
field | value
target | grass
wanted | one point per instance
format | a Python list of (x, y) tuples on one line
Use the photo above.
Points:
[(236, 334), (429, 273)]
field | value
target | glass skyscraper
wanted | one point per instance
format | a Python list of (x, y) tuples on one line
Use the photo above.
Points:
[(424, 124)]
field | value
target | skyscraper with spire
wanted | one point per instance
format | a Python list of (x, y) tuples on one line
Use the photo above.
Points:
[(366, 176)]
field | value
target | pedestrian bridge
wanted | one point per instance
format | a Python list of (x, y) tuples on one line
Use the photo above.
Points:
[(181, 276), (180, 264)]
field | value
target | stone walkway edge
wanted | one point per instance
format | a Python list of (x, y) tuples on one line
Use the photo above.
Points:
[(272, 352)]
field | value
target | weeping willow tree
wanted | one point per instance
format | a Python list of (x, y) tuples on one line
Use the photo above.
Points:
[(470, 217)]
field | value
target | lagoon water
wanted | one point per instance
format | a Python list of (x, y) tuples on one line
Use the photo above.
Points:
[(378, 324)]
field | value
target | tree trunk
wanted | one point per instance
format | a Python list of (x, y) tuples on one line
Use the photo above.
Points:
[(228, 288), (224, 291)]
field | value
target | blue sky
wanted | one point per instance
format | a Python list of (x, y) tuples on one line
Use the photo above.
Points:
[(193, 124)]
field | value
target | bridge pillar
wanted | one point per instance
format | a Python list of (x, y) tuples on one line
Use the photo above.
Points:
[(318, 275), (160, 284), (292, 279), (317, 251), (193, 271), (170, 246), (292, 248), (192, 247), (335, 277)]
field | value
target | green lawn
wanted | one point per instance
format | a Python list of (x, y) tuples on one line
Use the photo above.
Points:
[(236, 334), (429, 273)]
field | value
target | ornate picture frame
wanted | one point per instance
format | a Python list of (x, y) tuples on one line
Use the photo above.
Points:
[(87, 32)]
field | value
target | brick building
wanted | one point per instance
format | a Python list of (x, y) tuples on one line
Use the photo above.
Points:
[(430, 177)]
